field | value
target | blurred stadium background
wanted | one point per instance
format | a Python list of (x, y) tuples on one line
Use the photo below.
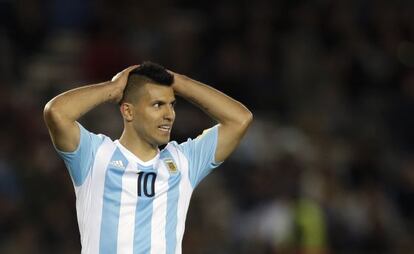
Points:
[(327, 167)]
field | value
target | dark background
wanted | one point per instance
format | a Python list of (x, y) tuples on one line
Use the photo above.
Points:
[(326, 167)]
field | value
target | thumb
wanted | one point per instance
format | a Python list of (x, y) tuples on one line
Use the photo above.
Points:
[(124, 72), (116, 76)]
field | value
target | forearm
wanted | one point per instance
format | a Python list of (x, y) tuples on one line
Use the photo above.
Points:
[(73, 104), (61, 112), (216, 104)]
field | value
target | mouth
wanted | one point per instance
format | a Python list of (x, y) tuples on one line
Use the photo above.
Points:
[(165, 128)]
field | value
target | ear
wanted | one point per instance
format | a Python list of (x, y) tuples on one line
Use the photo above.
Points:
[(127, 110)]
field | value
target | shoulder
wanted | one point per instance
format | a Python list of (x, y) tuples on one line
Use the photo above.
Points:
[(207, 139), (87, 133), (174, 150), (172, 146), (90, 141)]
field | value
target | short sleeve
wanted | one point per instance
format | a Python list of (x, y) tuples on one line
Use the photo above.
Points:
[(80, 161), (200, 153)]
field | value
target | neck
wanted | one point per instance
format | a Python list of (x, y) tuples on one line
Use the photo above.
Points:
[(136, 145)]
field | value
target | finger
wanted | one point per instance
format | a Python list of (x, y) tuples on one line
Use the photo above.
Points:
[(170, 72), (130, 68), (116, 76)]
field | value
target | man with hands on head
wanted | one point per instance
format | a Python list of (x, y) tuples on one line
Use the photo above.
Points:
[(130, 196)]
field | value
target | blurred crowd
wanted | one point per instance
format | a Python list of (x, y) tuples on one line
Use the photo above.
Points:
[(327, 166)]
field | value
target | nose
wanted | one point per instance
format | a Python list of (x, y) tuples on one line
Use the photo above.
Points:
[(169, 113)]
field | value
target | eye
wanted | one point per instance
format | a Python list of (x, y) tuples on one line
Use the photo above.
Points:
[(156, 105)]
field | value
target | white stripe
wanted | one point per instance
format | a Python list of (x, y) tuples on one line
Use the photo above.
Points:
[(185, 195), (127, 211), (90, 199), (159, 210)]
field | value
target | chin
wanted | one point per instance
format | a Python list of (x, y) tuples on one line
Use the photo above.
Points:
[(166, 141), (163, 141)]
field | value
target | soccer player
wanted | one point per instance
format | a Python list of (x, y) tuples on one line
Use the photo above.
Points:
[(130, 196)]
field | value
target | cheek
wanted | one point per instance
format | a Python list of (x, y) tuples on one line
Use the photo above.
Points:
[(150, 117), (142, 114)]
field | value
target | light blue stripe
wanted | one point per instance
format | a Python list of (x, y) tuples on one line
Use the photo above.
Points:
[(111, 205), (143, 216), (80, 161), (200, 153), (172, 207)]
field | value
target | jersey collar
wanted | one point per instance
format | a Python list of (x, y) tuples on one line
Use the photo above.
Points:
[(134, 158)]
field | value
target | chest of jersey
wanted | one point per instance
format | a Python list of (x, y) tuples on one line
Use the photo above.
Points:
[(135, 182), (141, 205)]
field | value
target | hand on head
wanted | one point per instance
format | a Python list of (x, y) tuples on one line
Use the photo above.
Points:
[(120, 81)]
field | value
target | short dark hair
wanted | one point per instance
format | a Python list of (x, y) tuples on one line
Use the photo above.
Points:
[(144, 73), (155, 72)]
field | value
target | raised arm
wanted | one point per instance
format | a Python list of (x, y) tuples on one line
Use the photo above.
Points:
[(60, 113), (232, 116)]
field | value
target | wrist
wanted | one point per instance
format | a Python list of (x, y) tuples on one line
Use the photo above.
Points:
[(114, 91), (179, 84)]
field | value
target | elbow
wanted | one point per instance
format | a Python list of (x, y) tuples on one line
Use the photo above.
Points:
[(245, 119), (240, 121), (248, 118), (50, 113), (49, 110)]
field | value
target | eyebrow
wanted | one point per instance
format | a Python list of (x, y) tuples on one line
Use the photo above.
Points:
[(163, 102)]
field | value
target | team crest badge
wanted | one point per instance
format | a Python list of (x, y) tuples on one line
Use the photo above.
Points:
[(172, 168)]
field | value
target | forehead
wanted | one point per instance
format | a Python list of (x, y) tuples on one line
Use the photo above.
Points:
[(153, 92)]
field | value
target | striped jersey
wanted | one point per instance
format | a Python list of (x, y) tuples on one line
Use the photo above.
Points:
[(125, 205)]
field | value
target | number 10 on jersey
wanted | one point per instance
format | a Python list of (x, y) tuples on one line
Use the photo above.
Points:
[(146, 184)]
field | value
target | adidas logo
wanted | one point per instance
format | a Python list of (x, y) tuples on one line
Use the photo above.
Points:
[(117, 164)]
